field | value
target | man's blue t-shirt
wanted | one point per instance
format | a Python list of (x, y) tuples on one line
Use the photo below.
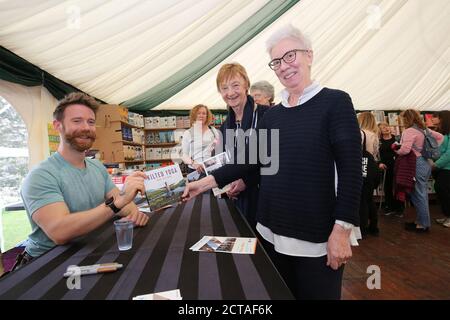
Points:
[(56, 180)]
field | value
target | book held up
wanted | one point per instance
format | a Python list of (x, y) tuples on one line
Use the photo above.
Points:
[(164, 187)]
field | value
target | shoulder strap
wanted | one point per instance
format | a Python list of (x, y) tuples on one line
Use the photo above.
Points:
[(424, 138), (418, 129)]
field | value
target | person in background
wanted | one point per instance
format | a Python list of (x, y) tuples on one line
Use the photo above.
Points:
[(367, 211), (69, 195), (441, 169), (387, 161), (435, 120), (263, 93), (244, 114), (412, 141), (199, 141), (306, 222)]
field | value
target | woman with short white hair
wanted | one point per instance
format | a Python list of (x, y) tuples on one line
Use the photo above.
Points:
[(263, 93), (306, 224)]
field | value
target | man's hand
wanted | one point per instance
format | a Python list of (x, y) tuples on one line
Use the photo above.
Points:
[(236, 187), (382, 166), (138, 218), (195, 188), (133, 184), (338, 247)]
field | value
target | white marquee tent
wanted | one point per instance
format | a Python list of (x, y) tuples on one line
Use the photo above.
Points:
[(387, 54)]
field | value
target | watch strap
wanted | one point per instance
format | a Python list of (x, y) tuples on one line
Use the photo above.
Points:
[(110, 203)]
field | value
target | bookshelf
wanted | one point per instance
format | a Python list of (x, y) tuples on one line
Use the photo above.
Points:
[(53, 138), (152, 140)]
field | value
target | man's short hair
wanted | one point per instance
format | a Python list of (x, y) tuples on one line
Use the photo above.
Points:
[(74, 98)]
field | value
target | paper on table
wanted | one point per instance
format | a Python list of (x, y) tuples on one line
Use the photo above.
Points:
[(226, 245), (165, 295)]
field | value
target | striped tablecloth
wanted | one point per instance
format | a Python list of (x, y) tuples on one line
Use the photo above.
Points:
[(160, 260)]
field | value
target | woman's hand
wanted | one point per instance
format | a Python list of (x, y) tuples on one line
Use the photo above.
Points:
[(198, 167)]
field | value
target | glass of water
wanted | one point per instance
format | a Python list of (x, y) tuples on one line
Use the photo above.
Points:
[(124, 234)]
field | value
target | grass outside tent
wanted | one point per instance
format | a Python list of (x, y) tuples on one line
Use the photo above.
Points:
[(16, 228)]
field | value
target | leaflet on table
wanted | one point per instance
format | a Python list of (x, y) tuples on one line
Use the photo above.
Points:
[(214, 163), (165, 295), (225, 244), (164, 186)]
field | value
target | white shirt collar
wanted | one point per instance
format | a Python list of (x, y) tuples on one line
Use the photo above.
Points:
[(308, 93)]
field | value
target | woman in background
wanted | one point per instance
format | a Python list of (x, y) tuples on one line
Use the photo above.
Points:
[(412, 141), (387, 161), (367, 209), (442, 169), (263, 93), (199, 141)]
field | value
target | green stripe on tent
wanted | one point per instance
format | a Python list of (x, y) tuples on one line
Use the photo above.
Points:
[(18, 70), (212, 57)]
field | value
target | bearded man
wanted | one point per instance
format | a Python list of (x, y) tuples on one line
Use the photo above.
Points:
[(68, 195)]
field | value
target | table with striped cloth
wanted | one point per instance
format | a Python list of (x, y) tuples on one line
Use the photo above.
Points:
[(160, 260)]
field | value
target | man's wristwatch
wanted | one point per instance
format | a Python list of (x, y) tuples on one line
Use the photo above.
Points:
[(110, 203)]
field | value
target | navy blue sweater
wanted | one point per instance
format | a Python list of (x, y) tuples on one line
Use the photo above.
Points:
[(299, 201)]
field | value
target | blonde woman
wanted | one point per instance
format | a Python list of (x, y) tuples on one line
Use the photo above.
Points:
[(367, 209), (200, 140), (412, 141)]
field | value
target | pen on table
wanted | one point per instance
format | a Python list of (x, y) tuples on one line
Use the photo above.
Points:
[(93, 269)]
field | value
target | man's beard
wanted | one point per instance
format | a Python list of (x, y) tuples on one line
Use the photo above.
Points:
[(77, 145)]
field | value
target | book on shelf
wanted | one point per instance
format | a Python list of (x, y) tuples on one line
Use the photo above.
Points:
[(393, 118), (164, 186), (379, 116), (226, 245), (214, 163), (428, 119)]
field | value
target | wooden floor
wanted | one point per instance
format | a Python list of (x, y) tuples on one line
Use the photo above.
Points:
[(412, 265)]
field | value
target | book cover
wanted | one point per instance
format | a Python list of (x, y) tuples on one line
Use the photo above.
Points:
[(226, 245), (164, 186), (214, 163)]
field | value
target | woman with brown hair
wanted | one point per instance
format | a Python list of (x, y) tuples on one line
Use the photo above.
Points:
[(412, 140), (200, 140)]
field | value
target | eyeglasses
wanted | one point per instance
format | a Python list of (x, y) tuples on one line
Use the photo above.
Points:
[(288, 57)]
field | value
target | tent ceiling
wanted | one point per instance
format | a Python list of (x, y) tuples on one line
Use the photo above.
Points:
[(388, 55)]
